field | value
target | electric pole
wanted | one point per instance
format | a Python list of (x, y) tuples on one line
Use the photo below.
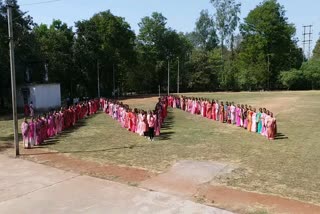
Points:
[(114, 82), (168, 77), (269, 75), (307, 33), (178, 79), (98, 79), (13, 80)]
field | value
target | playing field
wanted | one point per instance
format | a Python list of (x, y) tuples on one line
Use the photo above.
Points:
[(288, 166)]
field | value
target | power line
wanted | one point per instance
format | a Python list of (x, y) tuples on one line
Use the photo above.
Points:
[(41, 2), (307, 33)]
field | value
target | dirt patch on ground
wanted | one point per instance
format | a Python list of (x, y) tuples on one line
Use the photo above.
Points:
[(184, 177), (133, 176), (279, 104), (238, 200), (146, 103)]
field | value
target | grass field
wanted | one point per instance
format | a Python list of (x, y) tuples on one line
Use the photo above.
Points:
[(289, 166)]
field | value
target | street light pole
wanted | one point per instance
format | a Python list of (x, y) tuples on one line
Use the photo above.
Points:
[(168, 77), (114, 82), (13, 80), (178, 79), (98, 73), (268, 55)]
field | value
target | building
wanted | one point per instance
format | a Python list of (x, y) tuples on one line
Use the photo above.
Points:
[(43, 96)]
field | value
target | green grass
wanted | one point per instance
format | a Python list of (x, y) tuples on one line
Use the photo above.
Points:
[(287, 167)]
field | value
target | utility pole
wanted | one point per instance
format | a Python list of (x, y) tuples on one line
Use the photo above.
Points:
[(98, 73), (307, 33), (114, 82), (269, 75), (159, 91), (168, 77), (178, 79), (13, 80)]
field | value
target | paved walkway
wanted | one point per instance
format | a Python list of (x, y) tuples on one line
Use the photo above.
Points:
[(27, 187)]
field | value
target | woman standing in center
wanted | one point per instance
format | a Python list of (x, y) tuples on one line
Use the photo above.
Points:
[(249, 113), (221, 116), (151, 123), (32, 132), (254, 122), (145, 124)]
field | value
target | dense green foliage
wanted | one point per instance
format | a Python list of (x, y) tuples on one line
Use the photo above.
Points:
[(104, 42), (268, 45), (55, 45), (264, 55)]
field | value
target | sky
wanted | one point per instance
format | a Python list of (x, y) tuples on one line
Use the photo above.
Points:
[(181, 14)]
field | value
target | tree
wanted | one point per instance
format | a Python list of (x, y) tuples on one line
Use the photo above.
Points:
[(202, 70), (156, 45), (226, 19), (105, 41), (311, 70), (25, 47), (291, 78), (268, 45), (316, 50), (56, 48), (204, 36)]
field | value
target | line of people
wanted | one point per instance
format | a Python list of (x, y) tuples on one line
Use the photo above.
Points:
[(41, 128), (247, 117), (147, 124)]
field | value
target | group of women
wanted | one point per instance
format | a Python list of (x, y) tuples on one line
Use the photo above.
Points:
[(41, 128), (147, 124), (260, 121)]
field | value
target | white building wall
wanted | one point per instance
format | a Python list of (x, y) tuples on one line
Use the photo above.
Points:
[(43, 96), (47, 96)]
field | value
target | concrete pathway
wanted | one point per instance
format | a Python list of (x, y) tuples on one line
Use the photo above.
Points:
[(27, 187), (185, 177)]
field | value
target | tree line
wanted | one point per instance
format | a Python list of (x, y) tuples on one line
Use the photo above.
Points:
[(220, 54)]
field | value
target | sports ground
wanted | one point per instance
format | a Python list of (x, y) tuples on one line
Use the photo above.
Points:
[(286, 168)]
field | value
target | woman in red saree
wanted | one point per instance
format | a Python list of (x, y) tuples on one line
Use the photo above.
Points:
[(221, 115)]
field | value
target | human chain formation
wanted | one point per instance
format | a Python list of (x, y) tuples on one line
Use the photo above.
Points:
[(262, 121), (147, 124), (41, 128)]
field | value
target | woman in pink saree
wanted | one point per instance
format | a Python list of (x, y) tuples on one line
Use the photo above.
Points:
[(233, 114), (263, 121), (32, 132), (157, 126), (38, 131), (25, 133), (238, 115)]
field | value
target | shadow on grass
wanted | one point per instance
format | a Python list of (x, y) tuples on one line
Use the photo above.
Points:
[(281, 136), (88, 151), (166, 127), (66, 133)]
